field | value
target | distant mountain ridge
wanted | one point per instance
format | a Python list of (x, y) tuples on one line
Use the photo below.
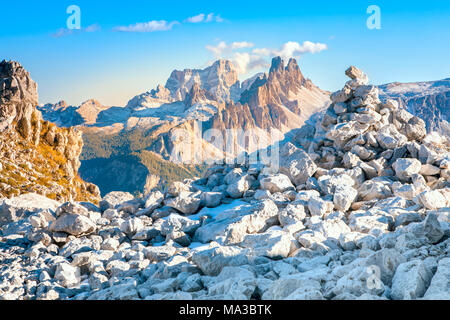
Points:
[(428, 100)]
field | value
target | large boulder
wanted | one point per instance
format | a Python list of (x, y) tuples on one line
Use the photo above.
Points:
[(233, 283), (153, 201), (406, 167), (372, 222), (410, 281), (416, 129), (329, 183), (211, 199), (212, 261), (114, 199), (342, 133), (439, 288), (67, 275), (73, 224), (275, 244), (432, 199), (375, 190), (231, 226), (282, 288), (276, 183), (176, 187), (386, 262), (356, 74), (320, 207), (175, 222), (296, 164), (72, 208), (186, 202), (12, 210), (239, 186)]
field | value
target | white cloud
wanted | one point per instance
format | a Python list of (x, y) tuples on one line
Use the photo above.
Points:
[(294, 49), (223, 48), (246, 60), (218, 19), (151, 26), (241, 45), (163, 25), (66, 32), (197, 18), (211, 17), (92, 28)]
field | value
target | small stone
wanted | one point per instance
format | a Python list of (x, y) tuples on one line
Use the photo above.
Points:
[(131, 226), (432, 228), (344, 197), (67, 275), (110, 244), (429, 170), (320, 207), (406, 167)]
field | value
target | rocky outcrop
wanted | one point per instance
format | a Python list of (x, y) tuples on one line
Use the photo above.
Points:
[(36, 156), (357, 209), (18, 98)]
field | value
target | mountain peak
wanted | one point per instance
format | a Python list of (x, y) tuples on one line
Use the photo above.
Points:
[(223, 63), (284, 86), (218, 79), (277, 65), (16, 84), (93, 103), (292, 65)]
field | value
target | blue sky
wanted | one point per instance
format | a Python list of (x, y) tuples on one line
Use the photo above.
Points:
[(112, 66)]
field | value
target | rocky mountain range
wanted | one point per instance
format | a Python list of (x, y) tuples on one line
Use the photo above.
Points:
[(356, 208), (192, 101), (144, 134), (36, 155)]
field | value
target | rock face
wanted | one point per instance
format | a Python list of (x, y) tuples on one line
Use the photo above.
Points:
[(358, 209), (18, 98), (36, 156)]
